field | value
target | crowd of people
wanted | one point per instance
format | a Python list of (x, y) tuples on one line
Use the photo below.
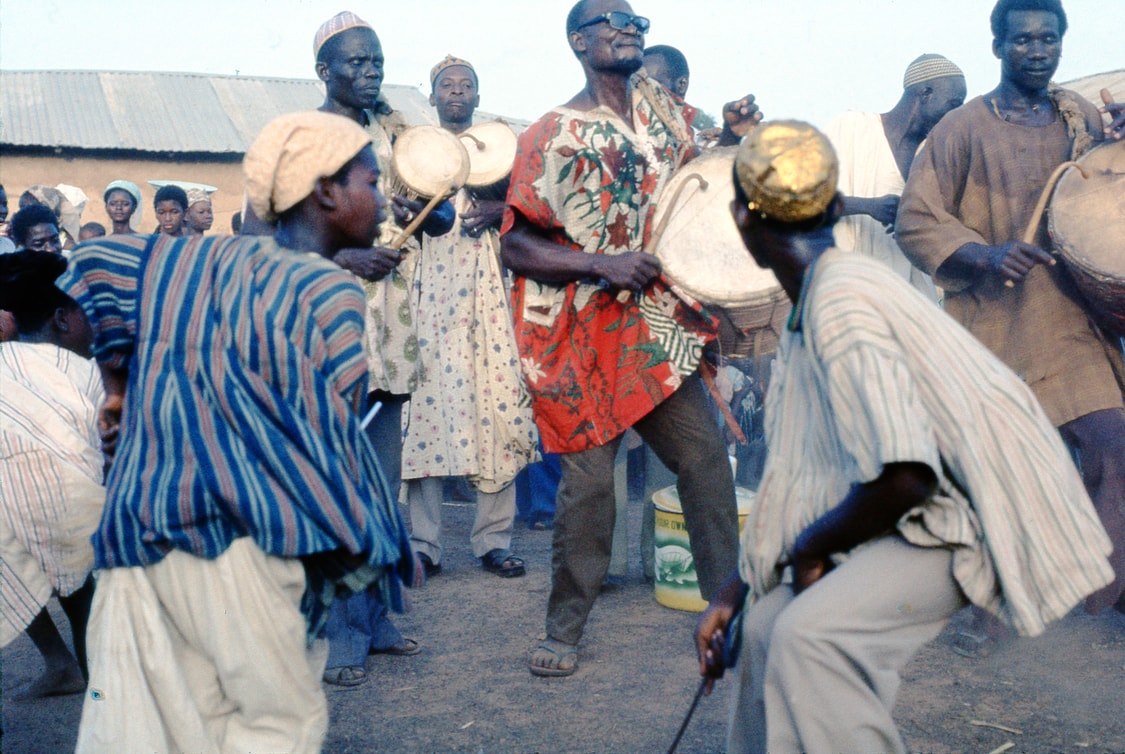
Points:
[(206, 438)]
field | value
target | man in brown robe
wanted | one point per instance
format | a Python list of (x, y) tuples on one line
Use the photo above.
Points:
[(970, 195)]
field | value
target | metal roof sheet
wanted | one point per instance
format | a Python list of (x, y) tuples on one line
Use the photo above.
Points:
[(163, 112)]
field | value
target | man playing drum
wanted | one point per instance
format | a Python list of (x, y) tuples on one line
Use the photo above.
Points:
[(604, 343), (970, 194), (349, 60), (469, 414)]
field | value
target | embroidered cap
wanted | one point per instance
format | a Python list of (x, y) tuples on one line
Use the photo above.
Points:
[(788, 170)]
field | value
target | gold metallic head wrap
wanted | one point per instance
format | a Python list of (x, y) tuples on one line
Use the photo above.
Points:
[(291, 153), (448, 62), (929, 67), (195, 195), (341, 22), (788, 170)]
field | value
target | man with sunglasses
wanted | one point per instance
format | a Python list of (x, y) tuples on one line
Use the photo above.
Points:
[(604, 342)]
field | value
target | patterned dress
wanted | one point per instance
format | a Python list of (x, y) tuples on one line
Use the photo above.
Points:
[(590, 182), (470, 414)]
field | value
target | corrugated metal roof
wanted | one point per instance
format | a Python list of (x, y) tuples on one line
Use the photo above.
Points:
[(162, 112), (1090, 86)]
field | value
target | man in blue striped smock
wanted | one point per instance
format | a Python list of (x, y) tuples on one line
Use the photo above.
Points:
[(896, 490), (243, 493)]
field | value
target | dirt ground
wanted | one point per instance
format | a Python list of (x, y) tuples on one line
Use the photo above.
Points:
[(469, 689)]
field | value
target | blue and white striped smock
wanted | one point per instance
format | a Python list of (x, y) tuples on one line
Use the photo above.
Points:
[(246, 365)]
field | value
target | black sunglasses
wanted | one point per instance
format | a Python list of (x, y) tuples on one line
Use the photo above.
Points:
[(619, 20)]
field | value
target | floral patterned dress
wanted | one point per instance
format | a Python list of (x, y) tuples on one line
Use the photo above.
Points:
[(589, 181), (469, 414)]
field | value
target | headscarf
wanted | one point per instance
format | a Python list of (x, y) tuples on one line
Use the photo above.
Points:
[(70, 218), (788, 170), (448, 62), (132, 190), (341, 22), (291, 153), (195, 195), (929, 67)]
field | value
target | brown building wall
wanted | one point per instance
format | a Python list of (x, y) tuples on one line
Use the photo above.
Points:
[(92, 174)]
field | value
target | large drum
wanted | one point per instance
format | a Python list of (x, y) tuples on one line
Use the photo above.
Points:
[(1086, 221), (428, 162), (701, 252)]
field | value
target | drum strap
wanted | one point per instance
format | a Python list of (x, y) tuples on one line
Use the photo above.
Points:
[(708, 371)]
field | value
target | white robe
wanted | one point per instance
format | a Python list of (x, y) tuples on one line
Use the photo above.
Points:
[(868, 170)]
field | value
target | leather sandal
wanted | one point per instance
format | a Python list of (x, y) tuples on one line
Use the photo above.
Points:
[(503, 563)]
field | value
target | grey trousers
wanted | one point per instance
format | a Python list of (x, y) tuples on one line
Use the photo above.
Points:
[(819, 672), (681, 432), (492, 528)]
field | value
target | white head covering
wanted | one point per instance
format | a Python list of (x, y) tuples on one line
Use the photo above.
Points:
[(291, 153), (132, 190), (929, 67), (341, 22)]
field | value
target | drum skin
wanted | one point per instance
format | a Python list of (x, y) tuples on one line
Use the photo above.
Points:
[(491, 147), (428, 160), (702, 254), (1086, 221)]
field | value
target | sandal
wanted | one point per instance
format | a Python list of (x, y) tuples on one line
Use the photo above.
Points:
[(503, 563), (404, 648), (562, 653), (345, 675)]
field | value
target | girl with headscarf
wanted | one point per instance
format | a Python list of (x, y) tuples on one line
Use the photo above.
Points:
[(123, 206)]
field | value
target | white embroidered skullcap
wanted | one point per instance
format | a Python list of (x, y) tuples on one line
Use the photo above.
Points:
[(341, 22), (929, 67)]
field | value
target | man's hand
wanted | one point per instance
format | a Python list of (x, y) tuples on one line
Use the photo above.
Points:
[(485, 214), (630, 271), (808, 568), (1013, 261), (109, 424), (710, 633), (738, 118), (373, 264), (1116, 111), (884, 209), (405, 210)]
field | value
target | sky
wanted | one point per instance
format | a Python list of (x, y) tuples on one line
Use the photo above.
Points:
[(807, 59)]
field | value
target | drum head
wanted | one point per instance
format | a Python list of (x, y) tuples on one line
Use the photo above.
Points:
[(1087, 226), (492, 150), (701, 249), (430, 160)]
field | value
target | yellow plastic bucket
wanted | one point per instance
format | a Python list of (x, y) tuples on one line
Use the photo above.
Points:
[(676, 583)]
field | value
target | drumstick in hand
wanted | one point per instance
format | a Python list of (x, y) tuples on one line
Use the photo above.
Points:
[(416, 223), (1041, 205)]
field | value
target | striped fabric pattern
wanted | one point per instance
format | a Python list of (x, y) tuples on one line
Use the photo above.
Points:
[(246, 365), (51, 492), (871, 373)]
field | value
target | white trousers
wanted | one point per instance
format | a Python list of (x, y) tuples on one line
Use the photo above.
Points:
[(195, 655), (819, 672), (492, 527)]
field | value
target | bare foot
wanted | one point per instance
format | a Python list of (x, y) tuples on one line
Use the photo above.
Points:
[(553, 658), (55, 682)]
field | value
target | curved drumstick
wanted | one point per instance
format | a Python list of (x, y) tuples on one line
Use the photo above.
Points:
[(1041, 205), (416, 223), (661, 226)]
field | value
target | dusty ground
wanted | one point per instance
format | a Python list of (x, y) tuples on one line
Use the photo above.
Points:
[(469, 689)]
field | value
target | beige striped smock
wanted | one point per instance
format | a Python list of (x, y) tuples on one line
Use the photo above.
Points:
[(871, 373)]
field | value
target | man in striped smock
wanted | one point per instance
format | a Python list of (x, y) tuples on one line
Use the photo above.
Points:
[(896, 491), (243, 494)]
